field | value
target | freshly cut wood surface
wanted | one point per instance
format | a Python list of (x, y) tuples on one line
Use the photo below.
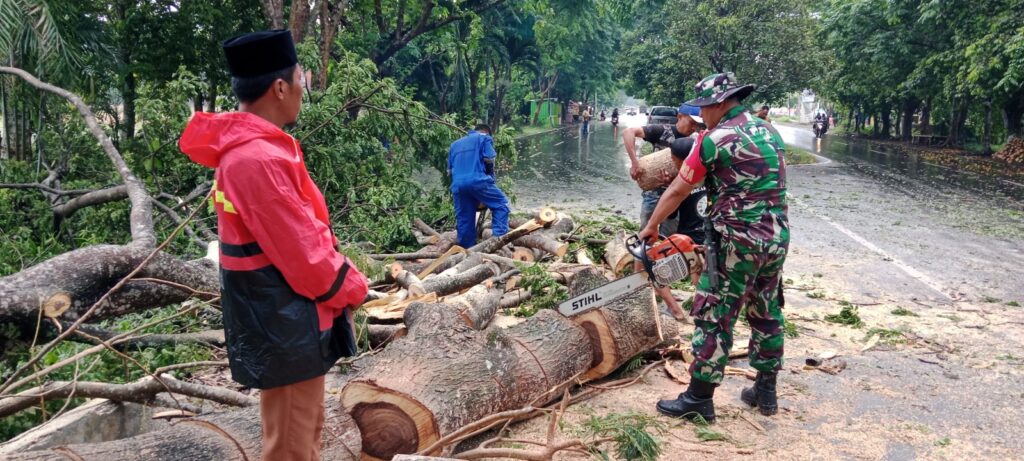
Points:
[(544, 243), (616, 255), (415, 390)]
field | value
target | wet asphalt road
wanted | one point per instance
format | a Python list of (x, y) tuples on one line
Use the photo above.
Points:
[(895, 225), (881, 230)]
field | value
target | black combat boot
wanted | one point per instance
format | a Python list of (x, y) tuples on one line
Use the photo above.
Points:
[(695, 401), (762, 394)]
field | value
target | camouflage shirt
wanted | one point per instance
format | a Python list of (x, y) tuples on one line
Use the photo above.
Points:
[(742, 164)]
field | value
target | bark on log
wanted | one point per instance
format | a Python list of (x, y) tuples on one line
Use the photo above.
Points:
[(616, 255), (425, 228), (544, 243), (407, 280), (142, 391), (477, 306), (447, 284), (627, 326), (228, 436), (654, 165), (514, 298), (87, 273), (382, 335), (419, 388)]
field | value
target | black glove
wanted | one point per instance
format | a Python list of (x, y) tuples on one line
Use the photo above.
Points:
[(489, 167)]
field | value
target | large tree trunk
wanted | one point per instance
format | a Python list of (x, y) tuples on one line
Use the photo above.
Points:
[(224, 436), (444, 374), (82, 276)]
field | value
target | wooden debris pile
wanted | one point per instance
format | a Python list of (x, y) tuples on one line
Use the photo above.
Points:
[(442, 369), (452, 366)]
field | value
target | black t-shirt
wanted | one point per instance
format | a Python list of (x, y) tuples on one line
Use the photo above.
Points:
[(661, 135)]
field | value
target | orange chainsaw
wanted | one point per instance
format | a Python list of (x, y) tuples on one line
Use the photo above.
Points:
[(665, 261)]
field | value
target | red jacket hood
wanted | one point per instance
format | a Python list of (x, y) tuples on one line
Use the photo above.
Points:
[(208, 136)]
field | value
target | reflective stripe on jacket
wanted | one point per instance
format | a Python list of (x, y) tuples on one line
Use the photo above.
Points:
[(284, 285)]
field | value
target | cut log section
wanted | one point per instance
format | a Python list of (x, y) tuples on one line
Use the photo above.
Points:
[(447, 284), (514, 298), (227, 436), (506, 369), (544, 243), (477, 306), (583, 258), (407, 280), (523, 254), (627, 326), (382, 335), (654, 165), (425, 228), (616, 255)]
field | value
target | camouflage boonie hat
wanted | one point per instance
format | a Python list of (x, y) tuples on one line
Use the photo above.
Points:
[(718, 88)]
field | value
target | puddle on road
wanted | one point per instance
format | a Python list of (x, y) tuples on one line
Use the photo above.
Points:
[(572, 172)]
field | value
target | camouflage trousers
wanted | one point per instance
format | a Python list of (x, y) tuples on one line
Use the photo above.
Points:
[(746, 278)]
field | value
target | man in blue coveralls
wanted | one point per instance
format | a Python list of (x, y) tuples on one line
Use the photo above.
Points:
[(471, 166)]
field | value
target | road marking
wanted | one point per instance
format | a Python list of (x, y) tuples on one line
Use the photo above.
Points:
[(906, 268)]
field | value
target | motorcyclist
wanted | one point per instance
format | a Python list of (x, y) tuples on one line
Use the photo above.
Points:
[(602, 115), (615, 115)]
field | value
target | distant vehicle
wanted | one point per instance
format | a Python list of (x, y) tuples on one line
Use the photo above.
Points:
[(662, 115), (630, 111), (643, 110)]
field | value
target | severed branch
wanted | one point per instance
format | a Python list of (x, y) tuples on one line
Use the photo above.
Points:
[(91, 333), (142, 391), (93, 198), (198, 240), (141, 215)]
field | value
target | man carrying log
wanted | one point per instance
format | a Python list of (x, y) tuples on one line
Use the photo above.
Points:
[(688, 122), (471, 166), (741, 161), (286, 292)]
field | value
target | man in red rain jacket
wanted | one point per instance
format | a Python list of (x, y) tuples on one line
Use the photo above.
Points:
[(287, 294)]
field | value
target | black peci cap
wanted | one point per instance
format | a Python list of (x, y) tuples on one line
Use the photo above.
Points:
[(258, 53)]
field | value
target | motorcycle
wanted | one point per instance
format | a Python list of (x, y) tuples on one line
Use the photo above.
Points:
[(602, 116), (819, 129), (615, 121)]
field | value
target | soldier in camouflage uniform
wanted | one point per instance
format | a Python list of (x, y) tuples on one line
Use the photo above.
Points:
[(740, 158)]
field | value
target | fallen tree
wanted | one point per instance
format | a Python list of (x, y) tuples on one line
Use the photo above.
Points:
[(86, 275), (417, 390)]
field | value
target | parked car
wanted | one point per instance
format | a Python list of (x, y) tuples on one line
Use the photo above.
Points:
[(662, 115), (631, 111), (643, 110)]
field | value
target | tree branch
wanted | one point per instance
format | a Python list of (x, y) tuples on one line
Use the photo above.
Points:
[(142, 211), (96, 197), (142, 391), (47, 189)]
